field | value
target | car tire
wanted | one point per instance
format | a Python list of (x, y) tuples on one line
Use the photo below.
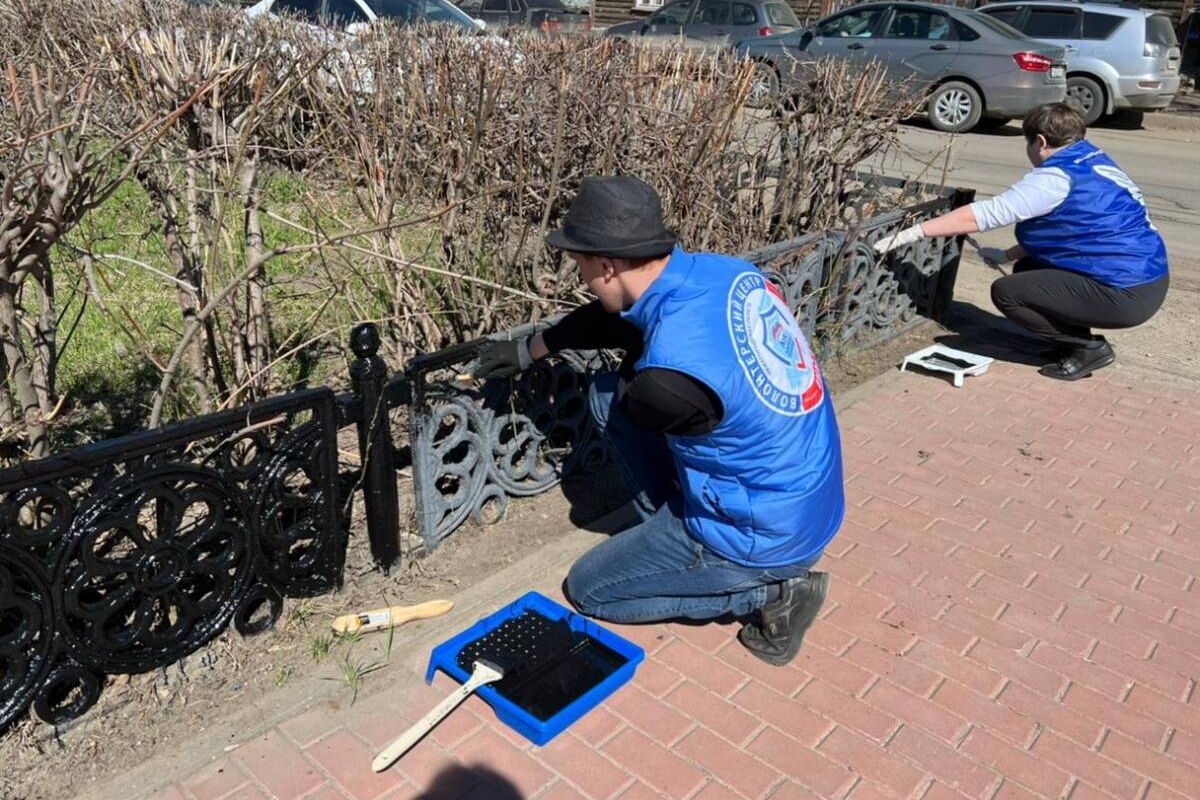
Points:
[(764, 86), (955, 107), (1085, 96)]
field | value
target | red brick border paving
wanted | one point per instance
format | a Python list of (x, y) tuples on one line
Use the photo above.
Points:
[(1014, 614)]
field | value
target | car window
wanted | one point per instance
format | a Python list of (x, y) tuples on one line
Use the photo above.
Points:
[(744, 14), (712, 12), (307, 9), (915, 23), (994, 25), (407, 10), (443, 11), (553, 5), (1052, 23), (495, 5), (1008, 15), (1159, 30), (344, 12), (413, 11), (858, 24), (778, 14), (964, 32), (674, 14), (1100, 26)]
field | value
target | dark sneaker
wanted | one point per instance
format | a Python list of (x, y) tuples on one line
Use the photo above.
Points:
[(1080, 363), (777, 639)]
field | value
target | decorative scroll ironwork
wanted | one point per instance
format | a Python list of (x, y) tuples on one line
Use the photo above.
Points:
[(129, 554), (841, 291), (473, 447)]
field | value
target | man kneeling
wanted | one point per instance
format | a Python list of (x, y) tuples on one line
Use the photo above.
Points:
[(720, 421)]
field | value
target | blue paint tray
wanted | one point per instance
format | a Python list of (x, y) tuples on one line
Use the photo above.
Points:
[(557, 664)]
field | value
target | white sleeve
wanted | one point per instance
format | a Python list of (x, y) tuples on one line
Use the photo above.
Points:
[(1038, 193)]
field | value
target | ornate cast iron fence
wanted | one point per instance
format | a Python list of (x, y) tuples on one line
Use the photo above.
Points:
[(126, 555), (129, 554), (473, 447)]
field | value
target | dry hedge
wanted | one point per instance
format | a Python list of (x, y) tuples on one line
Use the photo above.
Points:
[(433, 164)]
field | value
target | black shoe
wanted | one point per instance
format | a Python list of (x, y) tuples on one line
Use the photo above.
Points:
[(777, 639), (1056, 352), (1081, 362)]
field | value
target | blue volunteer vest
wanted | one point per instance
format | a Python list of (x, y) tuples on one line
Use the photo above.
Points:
[(1102, 229), (764, 489)]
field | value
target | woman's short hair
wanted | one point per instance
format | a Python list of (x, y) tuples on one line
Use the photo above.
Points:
[(1060, 124)]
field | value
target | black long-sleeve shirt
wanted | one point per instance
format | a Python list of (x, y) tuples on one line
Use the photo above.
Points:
[(656, 399)]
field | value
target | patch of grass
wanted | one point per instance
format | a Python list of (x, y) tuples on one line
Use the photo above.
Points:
[(282, 675), (122, 324), (349, 637), (320, 646), (352, 671), (106, 338)]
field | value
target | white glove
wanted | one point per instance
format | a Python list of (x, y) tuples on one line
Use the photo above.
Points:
[(994, 256), (899, 239)]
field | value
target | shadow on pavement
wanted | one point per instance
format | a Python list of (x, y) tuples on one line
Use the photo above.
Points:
[(987, 334), (1124, 120), (986, 127), (470, 783)]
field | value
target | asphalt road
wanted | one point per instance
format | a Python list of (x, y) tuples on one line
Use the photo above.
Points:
[(1164, 163)]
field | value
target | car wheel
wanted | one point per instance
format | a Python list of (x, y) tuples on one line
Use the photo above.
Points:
[(1085, 96), (955, 107), (764, 86)]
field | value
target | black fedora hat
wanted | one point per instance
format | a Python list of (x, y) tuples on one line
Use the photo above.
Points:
[(614, 216)]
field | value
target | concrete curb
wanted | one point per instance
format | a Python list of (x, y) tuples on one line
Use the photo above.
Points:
[(1187, 122)]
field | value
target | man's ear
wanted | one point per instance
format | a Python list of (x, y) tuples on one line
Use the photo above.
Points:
[(1042, 143), (608, 268)]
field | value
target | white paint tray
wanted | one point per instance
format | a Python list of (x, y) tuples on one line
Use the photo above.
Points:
[(939, 358)]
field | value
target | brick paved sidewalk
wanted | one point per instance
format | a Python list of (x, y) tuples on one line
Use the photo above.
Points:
[(1014, 613)]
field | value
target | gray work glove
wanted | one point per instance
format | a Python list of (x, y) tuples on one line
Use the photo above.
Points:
[(503, 359)]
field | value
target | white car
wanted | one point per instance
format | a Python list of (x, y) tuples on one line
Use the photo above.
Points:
[(340, 21), (352, 15)]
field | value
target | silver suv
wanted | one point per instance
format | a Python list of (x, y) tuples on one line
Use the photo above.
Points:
[(1119, 56), (972, 67)]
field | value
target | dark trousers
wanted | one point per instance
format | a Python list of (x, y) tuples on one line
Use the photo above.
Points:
[(1064, 306)]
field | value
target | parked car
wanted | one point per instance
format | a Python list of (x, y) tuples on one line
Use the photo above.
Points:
[(711, 23), (350, 14), (548, 16), (972, 66), (1120, 56)]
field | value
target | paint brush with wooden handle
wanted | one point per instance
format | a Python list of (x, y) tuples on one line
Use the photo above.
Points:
[(383, 618), (485, 672)]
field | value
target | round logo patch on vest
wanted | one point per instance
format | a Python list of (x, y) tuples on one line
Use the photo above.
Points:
[(772, 350)]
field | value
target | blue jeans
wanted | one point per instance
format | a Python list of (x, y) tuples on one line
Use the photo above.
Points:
[(656, 570)]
